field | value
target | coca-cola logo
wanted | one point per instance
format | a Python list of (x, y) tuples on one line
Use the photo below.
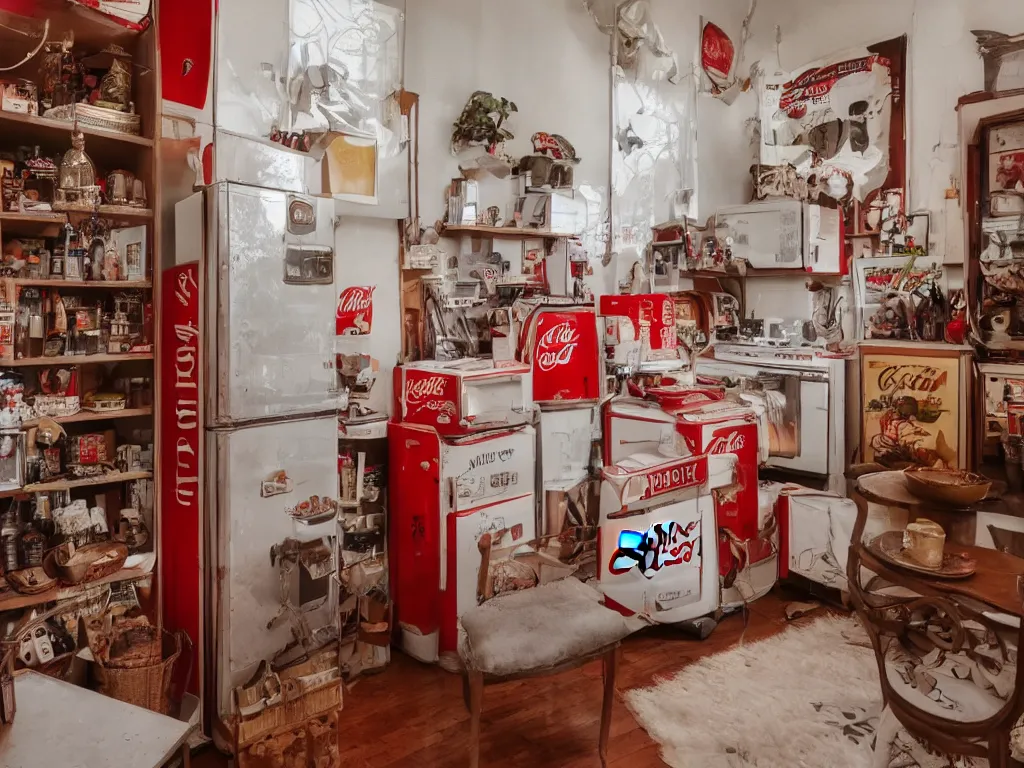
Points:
[(355, 311), (727, 444), (556, 346), (668, 312), (418, 390)]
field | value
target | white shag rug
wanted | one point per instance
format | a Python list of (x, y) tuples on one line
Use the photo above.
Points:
[(805, 698)]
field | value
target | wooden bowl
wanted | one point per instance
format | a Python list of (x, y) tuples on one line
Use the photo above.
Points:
[(950, 487)]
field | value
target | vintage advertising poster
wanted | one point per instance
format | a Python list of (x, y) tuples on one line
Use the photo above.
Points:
[(834, 128), (911, 409)]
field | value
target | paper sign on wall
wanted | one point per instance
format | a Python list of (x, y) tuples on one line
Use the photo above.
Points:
[(355, 311)]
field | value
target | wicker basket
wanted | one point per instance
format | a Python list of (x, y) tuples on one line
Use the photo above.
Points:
[(147, 686)]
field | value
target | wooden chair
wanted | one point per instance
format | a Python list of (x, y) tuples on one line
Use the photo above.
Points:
[(939, 616), (534, 633)]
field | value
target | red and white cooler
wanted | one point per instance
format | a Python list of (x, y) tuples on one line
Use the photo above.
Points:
[(562, 347), (445, 493), (640, 331), (462, 396), (657, 554), (704, 426)]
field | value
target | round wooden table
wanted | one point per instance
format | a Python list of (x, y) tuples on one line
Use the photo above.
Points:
[(890, 489), (996, 584)]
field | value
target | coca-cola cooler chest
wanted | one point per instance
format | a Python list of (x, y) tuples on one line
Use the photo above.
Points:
[(461, 396), (657, 553), (640, 331), (704, 427), (446, 493), (562, 348)]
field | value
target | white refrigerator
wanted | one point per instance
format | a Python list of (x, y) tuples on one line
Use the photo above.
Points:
[(270, 420)]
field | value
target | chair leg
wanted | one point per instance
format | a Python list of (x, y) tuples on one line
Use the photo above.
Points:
[(999, 750), (476, 695), (608, 668)]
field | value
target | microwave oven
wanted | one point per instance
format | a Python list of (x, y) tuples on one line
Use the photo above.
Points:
[(784, 234)]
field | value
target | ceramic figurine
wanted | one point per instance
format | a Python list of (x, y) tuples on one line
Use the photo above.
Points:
[(77, 176)]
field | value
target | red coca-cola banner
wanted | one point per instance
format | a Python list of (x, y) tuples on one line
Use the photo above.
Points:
[(355, 311), (180, 444)]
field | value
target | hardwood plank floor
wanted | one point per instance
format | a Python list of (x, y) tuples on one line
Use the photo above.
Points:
[(413, 714)]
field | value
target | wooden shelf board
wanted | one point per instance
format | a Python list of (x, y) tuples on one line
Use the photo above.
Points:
[(75, 360), (32, 224), (15, 122), (111, 478), (49, 224), (112, 285), (752, 272), (474, 230), (14, 601), (113, 212), (124, 413)]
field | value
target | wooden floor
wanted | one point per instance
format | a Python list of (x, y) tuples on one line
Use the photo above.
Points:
[(413, 714)]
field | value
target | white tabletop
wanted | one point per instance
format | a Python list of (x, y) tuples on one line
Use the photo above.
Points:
[(59, 724)]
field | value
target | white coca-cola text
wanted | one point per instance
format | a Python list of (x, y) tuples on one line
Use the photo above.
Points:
[(671, 478), (186, 397), (417, 390), (556, 346), (355, 299), (726, 444)]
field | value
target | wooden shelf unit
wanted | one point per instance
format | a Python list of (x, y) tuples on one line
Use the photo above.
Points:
[(109, 150)]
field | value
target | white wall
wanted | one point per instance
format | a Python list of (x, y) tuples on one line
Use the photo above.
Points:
[(549, 57), (943, 65), (367, 254)]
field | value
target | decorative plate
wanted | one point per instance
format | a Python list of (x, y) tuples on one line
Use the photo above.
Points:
[(955, 565)]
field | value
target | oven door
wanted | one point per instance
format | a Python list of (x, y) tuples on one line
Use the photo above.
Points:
[(798, 415)]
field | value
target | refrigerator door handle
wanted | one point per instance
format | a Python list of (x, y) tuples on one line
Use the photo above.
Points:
[(447, 507)]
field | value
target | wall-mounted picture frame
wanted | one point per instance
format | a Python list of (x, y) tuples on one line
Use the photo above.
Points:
[(351, 168), (130, 244)]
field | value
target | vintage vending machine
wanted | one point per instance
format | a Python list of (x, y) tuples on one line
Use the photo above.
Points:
[(658, 553), (562, 347), (462, 465)]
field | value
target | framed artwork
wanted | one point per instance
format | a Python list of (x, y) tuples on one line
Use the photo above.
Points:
[(912, 407), (888, 282), (130, 244), (350, 169)]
